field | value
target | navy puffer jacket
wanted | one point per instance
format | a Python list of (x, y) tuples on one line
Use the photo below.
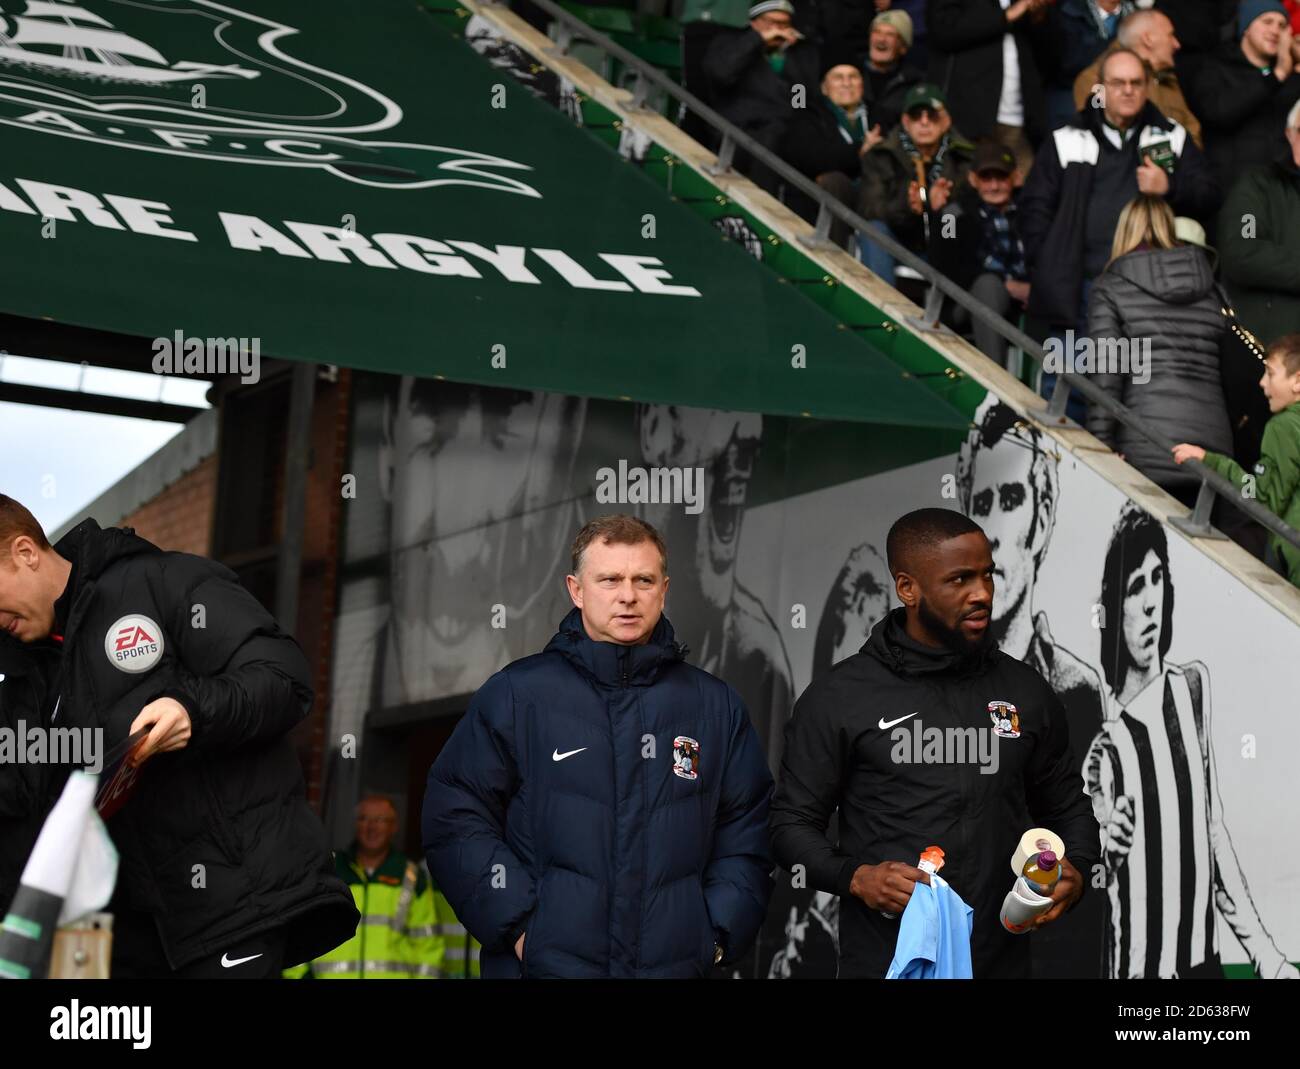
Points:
[(611, 802)]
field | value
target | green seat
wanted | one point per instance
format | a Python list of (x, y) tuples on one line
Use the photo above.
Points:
[(608, 20), (658, 28), (665, 55)]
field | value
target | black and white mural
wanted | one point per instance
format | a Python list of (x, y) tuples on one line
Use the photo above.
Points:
[(458, 539)]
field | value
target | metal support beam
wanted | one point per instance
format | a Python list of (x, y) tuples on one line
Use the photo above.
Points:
[(1058, 403), (1198, 523), (76, 401), (726, 154), (820, 238), (297, 460)]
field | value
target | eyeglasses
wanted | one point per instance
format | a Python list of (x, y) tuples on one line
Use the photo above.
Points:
[(924, 112)]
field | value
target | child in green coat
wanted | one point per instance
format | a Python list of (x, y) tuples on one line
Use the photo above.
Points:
[(1277, 475)]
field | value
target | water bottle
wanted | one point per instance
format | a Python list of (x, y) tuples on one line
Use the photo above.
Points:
[(1042, 871)]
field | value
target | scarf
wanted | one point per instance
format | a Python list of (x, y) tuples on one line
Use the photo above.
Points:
[(852, 125), (936, 165)]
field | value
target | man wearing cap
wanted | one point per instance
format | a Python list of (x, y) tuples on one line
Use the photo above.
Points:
[(826, 140), (981, 249), (1244, 92), (753, 74), (909, 177), (887, 76), (1151, 35)]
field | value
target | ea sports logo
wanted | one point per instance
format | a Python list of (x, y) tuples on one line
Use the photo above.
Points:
[(134, 643)]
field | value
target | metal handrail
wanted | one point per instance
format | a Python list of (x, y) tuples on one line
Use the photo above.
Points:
[(1212, 483)]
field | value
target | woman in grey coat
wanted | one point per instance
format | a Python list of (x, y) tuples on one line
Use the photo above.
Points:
[(1159, 296)]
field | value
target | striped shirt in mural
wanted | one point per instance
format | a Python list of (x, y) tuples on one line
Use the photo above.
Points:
[(1155, 750)]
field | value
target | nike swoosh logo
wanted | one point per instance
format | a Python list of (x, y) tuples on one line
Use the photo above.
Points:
[(882, 724), (227, 961), (557, 756)]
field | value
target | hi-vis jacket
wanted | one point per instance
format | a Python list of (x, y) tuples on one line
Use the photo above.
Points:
[(407, 929)]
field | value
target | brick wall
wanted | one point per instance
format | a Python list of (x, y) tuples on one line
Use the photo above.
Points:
[(180, 518)]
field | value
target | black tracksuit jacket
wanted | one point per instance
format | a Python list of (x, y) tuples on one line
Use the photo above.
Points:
[(838, 755)]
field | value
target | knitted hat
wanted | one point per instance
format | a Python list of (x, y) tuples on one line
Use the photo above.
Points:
[(764, 6), (899, 21), (1250, 10)]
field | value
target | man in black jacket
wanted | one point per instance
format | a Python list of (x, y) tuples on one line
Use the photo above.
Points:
[(1084, 175), (1243, 92), (28, 790), (826, 140), (970, 42), (224, 869), (760, 75), (909, 739)]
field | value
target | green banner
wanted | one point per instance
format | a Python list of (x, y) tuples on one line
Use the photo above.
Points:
[(346, 183)]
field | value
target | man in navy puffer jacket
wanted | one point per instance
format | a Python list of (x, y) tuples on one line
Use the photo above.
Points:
[(601, 809)]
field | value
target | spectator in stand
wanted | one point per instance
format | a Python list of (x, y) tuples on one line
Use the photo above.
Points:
[(1277, 475), (1155, 319), (826, 140), (1259, 241), (1151, 35), (1084, 29), (887, 76), (702, 21), (909, 177), (753, 73), (1085, 174), (982, 55), (981, 249), (1244, 91)]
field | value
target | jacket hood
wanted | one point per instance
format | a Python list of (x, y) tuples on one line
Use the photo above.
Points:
[(1176, 276), (92, 548), (611, 663), (891, 645)]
